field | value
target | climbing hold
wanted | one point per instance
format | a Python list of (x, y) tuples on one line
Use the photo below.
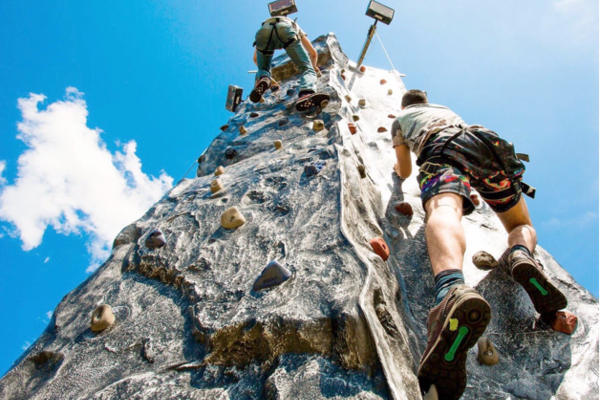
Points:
[(487, 352), (362, 172), (380, 248), (561, 321), (283, 121), (230, 153), (352, 128), (348, 98), (253, 114), (200, 159), (220, 170), (404, 208), (392, 116), (484, 261), (273, 274), (102, 318), (262, 100), (432, 394), (243, 130), (278, 144), (381, 129), (342, 71), (362, 102), (318, 125), (362, 68), (390, 92), (232, 218), (355, 118), (224, 127), (343, 77), (382, 82), (475, 200), (156, 240), (314, 168), (216, 185)]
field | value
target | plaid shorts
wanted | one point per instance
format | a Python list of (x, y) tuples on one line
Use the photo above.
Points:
[(471, 167)]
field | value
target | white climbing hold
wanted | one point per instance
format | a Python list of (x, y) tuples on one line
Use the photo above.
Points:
[(232, 218), (219, 171), (216, 185), (318, 125), (278, 144), (102, 318)]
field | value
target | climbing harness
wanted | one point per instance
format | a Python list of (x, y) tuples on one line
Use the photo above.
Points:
[(274, 24)]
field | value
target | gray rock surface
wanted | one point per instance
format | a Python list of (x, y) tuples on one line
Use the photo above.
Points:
[(345, 325)]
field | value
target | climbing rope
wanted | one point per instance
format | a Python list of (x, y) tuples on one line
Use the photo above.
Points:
[(187, 172), (385, 51)]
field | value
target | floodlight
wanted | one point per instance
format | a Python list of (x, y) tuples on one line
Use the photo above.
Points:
[(282, 8), (234, 97), (380, 12)]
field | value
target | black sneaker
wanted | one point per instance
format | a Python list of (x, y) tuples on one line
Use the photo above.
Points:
[(260, 87)]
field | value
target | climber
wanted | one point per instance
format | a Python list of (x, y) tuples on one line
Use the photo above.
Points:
[(283, 33), (453, 157)]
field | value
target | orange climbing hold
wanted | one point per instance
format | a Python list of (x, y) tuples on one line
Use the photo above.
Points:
[(382, 82), (382, 129), (362, 68), (352, 128), (561, 321), (475, 200), (392, 116), (380, 248)]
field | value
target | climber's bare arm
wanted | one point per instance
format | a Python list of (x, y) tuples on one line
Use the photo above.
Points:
[(254, 58), (312, 53), (404, 164)]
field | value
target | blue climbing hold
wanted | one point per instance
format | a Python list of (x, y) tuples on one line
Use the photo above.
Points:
[(314, 168), (156, 240), (273, 274)]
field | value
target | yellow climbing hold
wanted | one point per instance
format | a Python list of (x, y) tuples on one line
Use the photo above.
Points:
[(348, 98), (355, 118), (102, 318), (216, 185), (278, 144), (453, 324), (362, 102), (232, 218), (243, 130), (318, 125), (220, 170), (390, 92)]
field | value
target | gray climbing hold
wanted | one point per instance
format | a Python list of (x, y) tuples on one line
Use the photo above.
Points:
[(232, 218), (362, 102), (318, 125), (487, 353), (278, 144), (484, 261), (156, 240), (355, 118), (243, 130), (230, 153), (220, 170), (253, 114), (102, 318), (216, 185), (273, 274), (314, 168), (362, 172)]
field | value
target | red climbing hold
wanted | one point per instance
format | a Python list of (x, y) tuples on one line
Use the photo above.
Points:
[(475, 200), (352, 128), (392, 116), (224, 127), (382, 129), (362, 68), (561, 321), (343, 77), (383, 82), (404, 208), (380, 248)]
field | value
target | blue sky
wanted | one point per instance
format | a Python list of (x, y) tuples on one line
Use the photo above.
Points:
[(104, 105)]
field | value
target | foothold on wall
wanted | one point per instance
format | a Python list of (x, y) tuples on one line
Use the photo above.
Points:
[(230, 153), (200, 159), (343, 77), (355, 118), (352, 128), (224, 127), (487, 354), (253, 114), (392, 116), (561, 321), (362, 172), (273, 274), (314, 168), (362, 102), (382, 82), (390, 92), (220, 170), (156, 240), (232, 218), (243, 130), (348, 98), (381, 129), (484, 261), (283, 121), (475, 200), (278, 144), (342, 71), (216, 185), (362, 68), (318, 125), (290, 92), (404, 208), (380, 248), (102, 318)]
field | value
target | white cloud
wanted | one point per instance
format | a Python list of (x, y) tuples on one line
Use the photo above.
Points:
[(576, 222), (46, 260), (575, 21), (49, 314), (69, 180), (2, 167)]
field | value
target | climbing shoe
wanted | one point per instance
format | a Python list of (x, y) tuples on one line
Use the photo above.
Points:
[(260, 87), (453, 327), (306, 101), (528, 272)]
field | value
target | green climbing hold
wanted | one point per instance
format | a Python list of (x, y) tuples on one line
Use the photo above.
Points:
[(462, 332), (539, 287)]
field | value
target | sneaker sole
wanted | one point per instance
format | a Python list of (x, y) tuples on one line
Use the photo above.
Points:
[(321, 100), (543, 294), (445, 365), (258, 91)]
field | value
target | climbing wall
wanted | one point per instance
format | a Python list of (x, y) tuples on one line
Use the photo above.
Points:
[(288, 270)]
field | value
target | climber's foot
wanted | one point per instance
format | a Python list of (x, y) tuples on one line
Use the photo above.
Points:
[(453, 327), (310, 100), (543, 294), (260, 87)]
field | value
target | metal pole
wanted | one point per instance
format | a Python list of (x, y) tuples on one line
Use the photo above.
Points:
[(367, 43)]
